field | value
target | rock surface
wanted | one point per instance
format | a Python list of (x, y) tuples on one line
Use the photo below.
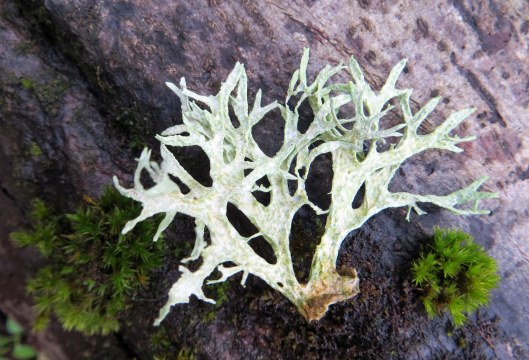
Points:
[(82, 89)]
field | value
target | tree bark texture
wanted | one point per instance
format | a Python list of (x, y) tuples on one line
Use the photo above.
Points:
[(83, 82)]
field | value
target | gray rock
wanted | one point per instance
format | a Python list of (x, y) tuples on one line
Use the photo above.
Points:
[(82, 89)]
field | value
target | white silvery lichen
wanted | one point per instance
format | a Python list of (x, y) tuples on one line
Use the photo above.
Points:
[(237, 163)]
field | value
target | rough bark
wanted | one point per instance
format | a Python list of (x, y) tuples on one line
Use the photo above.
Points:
[(96, 72)]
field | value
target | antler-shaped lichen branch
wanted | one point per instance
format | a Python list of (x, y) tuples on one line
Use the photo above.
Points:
[(233, 151)]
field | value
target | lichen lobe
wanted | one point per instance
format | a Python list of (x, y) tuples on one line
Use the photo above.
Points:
[(237, 163)]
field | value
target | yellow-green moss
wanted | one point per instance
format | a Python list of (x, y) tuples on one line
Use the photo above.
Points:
[(93, 270), (35, 150), (164, 350), (26, 83), (219, 292), (455, 275)]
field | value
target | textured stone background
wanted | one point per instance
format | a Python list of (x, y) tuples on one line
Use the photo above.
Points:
[(96, 71)]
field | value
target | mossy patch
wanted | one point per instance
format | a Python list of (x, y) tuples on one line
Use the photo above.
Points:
[(35, 150), (183, 354), (165, 350), (94, 271), (218, 292), (26, 83), (456, 275), (49, 92)]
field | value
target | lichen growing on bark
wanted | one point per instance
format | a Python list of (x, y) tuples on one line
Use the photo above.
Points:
[(237, 164)]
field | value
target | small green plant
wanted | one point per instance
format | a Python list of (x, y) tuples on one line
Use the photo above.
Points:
[(161, 343), (12, 347), (93, 270), (184, 354), (220, 291), (455, 275)]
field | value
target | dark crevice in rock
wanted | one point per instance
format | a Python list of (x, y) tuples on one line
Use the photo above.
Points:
[(524, 175), (127, 348), (467, 17), (483, 93), (490, 43), (7, 193)]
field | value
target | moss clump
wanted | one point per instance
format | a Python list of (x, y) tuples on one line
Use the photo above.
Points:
[(455, 275), (183, 354), (219, 292), (164, 349), (35, 150), (26, 83), (93, 270), (160, 341), (49, 92)]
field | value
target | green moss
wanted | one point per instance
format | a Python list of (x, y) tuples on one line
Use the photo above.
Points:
[(183, 354), (456, 275), (164, 350), (219, 292), (93, 270), (50, 94), (160, 341), (26, 83), (35, 150)]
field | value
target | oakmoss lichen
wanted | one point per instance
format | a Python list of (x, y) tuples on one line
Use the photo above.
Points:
[(222, 126)]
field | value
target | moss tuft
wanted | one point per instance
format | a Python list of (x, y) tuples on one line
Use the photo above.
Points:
[(164, 349), (35, 150), (93, 269), (219, 292), (455, 275), (26, 83)]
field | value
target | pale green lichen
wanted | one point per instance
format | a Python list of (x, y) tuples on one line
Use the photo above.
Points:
[(237, 163)]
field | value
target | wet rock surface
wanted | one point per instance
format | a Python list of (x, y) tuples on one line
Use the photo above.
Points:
[(82, 91)]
